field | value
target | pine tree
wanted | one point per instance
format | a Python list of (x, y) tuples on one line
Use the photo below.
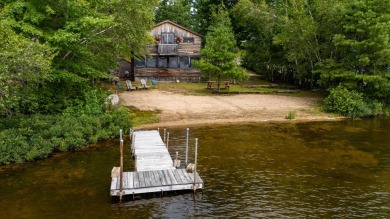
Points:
[(220, 51)]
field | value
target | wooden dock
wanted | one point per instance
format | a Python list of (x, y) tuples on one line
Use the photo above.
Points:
[(154, 169)]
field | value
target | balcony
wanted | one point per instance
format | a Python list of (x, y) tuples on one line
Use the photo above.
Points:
[(167, 49)]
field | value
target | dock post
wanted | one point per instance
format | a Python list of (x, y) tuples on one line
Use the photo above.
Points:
[(196, 162), (167, 139), (187, 145), (120, 133), (165, 134), (121, 173)]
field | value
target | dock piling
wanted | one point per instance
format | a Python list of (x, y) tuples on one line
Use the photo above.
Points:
[(165, 135), (130, 133), (121, 173), (187, 135), (196, 162), (167, 139)]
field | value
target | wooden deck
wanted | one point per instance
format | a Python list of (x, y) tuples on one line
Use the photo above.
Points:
[(155, 181), (154, 169)]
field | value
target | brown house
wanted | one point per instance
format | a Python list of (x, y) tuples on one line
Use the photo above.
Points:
[(171, 57)]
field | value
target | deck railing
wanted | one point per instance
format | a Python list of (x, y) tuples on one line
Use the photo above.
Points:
[(167, 49)]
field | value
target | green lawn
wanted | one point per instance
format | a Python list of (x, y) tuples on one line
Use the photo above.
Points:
[(255, 84)]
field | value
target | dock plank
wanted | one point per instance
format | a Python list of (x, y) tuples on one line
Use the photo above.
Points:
[(162, 177), (130, 180), (155, 180), (136, 180), (124, 180), (178, 177), (182, 176), (186, 175), (141, 179), (172, 177), (167, 177)]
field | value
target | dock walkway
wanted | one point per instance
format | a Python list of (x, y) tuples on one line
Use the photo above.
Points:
[(154, 170), (150, 152)]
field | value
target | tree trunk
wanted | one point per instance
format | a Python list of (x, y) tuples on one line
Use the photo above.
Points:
[(218, 82)]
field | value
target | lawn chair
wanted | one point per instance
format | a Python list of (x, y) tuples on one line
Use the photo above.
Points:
[(130, 86), (154, 83), (119, 85), (144, 85)]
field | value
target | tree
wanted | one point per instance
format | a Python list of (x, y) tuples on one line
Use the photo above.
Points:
[(258, 24), (25, 65), (87, 38), (219, 53), (178, 11), (204, 10), (363, 51)]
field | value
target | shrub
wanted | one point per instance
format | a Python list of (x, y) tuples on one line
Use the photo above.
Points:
[(37, 136), (350, 103), (91, 104)]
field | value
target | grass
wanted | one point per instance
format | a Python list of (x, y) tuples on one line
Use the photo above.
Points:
[(255, 84), (290, 115), (139, 117)]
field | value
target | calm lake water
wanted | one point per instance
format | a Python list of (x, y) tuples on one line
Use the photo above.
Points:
[(274, 170)]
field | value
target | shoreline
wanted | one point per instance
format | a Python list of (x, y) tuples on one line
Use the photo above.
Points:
[(222, 122), (188, 110)]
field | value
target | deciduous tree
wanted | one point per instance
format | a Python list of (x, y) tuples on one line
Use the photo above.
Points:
[(25, 65), (178, 11)]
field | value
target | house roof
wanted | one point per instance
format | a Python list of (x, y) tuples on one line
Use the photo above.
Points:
[(179, 26)]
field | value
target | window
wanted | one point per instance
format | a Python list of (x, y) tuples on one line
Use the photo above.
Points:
[(188, 40), (172, 62), (184, 62), (163, 62), (167, 38), (139, 63), (151, 61)]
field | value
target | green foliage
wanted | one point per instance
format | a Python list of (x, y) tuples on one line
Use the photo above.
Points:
[(35, 137), (363, 57), (220, 52), (63, 48), (178, 11), (204, 12), (350, 103), (319, 43), (25, 65), (90, 104), (290, 115), (258, 25)]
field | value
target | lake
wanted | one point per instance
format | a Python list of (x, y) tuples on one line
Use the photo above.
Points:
[(338, 169)]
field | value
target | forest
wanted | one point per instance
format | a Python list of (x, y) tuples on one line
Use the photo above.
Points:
[(55, 55)]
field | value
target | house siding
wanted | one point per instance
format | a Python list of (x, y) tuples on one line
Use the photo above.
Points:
[(179, 50)]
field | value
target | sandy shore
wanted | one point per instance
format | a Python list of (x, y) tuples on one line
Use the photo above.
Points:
[(184, 110)]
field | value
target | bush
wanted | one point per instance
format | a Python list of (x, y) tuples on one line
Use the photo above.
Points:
[(350, 103), (91, 104), (37, 136)]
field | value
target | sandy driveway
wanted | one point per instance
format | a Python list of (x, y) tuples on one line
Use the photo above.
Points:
[(178, 109)]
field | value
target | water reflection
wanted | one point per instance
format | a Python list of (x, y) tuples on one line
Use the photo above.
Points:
[(294, 170)]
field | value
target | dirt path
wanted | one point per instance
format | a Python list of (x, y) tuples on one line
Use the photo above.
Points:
[(183, 110)]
